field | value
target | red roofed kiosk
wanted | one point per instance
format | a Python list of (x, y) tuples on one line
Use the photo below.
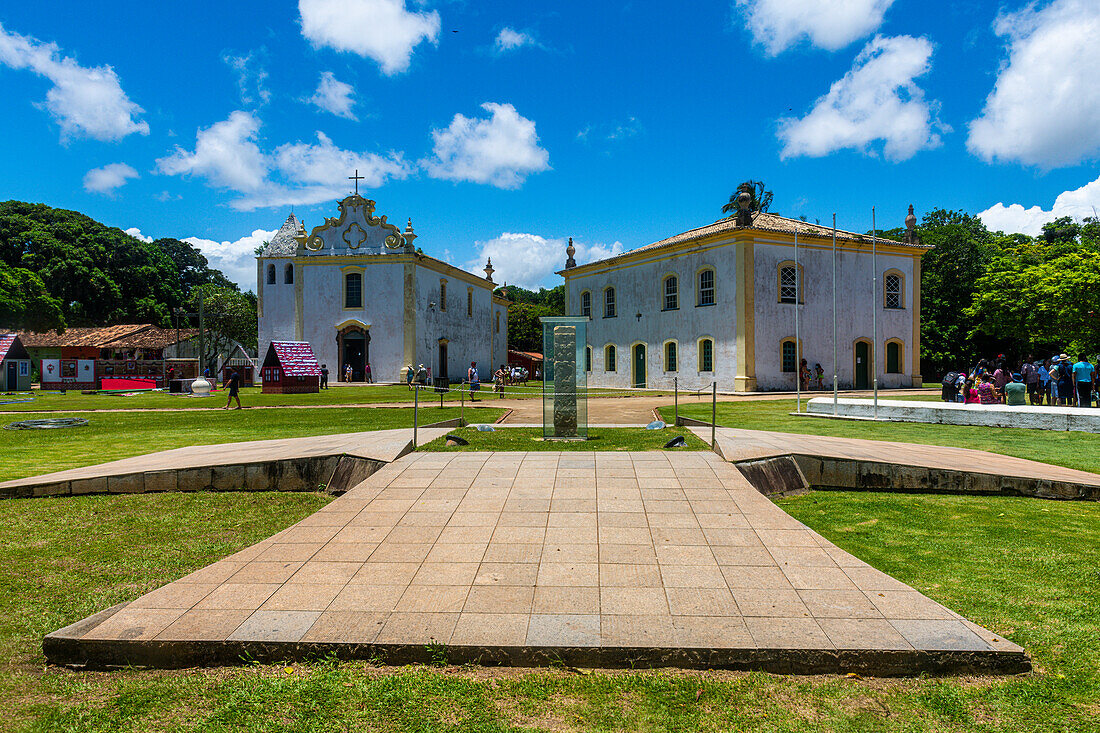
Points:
[(290, 368)]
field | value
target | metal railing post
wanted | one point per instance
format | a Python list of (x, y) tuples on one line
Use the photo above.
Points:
[(676, 399), (416, 411), (462, 403), (713, 414)]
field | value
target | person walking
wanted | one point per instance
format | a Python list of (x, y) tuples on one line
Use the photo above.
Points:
[(1065, 381), (347, 372), (474, 380), (367, 374), (233, 383), (324, 376), (1084, 374), (409, 376)]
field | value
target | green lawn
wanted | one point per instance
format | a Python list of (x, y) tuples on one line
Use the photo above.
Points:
[(113, 435), (1026, 569), (252, 397), (1062, 448), (599, 439)]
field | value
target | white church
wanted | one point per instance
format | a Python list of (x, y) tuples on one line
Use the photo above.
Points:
[(718, 304), (357, 290)]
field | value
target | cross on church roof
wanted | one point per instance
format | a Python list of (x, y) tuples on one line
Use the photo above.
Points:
[(356, 178)]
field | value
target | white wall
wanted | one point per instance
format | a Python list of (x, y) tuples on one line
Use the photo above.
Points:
[(639, 289), (775, 321), (277, 321)]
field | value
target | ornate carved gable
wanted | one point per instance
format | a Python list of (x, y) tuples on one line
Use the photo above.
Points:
[(356, 231)]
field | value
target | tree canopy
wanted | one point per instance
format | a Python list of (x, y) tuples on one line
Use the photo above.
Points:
[(761, 197), (92, 273), (524, 327)]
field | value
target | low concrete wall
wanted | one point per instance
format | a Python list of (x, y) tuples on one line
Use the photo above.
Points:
[(777, 477), (952, 413), (335, 474)]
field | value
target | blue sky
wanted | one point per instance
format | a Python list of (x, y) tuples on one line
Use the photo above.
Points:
[(502, 128)]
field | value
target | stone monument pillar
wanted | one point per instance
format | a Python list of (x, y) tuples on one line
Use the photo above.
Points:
[(565, 414)]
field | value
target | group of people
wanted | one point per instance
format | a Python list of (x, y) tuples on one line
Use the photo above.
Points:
[(509, 375), (1058, 380), (809, 380)]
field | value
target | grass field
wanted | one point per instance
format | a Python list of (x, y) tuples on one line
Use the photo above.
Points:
[(359, 394), (1027, 569), (599, 439), (1062, 448), (113, 435)]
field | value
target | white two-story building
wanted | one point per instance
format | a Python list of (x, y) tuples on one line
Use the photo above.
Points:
[(718, 303)]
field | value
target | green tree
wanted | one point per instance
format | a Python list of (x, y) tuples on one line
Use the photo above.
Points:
[(761, 197), (25, 305), (524, 327), (228, 315), (1050, 303)]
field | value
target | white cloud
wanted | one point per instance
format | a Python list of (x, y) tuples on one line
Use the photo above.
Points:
[(530, 261), (877, 100), (228, 155), (108, 178), (236, 259), (379, 29), (136, 234), (251, 77), (1044, 106), (510, 39), (501, 151), (829, 24), (86, 102), (611, 132), (1078, 203), (334, 96)]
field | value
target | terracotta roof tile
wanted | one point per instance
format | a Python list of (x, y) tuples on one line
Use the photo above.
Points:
[(761, 222)]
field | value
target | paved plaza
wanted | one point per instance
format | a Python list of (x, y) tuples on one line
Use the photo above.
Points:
[(612, 559)]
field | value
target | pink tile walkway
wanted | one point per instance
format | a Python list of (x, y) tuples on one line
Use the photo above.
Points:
[(513, 552)]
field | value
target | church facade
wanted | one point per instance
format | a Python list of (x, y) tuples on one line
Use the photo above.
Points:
[(358, 291), (718, 304)]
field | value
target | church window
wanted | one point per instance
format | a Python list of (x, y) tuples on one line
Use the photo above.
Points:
[(586, 304), (706, 355), (670, 356), (672, 294), (892, 285), (443, 295), (705, 294), (609, 303), (789, 355), (469, 302), (893, 357), (353, 290), (788, 284), (609, 358), (588, 358), (271, 274), (288, 274)]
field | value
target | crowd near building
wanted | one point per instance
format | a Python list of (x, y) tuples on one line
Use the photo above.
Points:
[(719, 303)]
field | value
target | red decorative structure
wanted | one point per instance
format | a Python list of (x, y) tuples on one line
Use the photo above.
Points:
[(290, 368)]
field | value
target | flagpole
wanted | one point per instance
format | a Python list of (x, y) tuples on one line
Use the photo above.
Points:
[(874, 308), (834, 317), (797, 342)]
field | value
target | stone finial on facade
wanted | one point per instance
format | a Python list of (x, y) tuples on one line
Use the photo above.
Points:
[(489, 269), (409, 236), (569, 252), (910, 227)]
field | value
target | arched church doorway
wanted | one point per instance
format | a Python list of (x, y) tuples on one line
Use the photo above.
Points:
[(354, 345)]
